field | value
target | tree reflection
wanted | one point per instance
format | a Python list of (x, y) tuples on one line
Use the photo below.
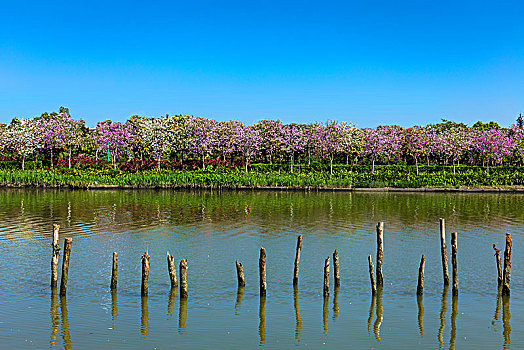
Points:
[(182, 316), (144, 316)]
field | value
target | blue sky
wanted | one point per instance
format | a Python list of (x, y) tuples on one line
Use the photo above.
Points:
[(367, 62)]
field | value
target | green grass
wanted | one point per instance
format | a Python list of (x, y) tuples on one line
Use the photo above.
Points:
[(343, 176)]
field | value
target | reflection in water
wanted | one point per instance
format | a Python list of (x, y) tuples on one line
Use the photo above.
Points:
[(262, 317), (496, 317), (66, 336), (171, 303), (182, 316), (144, 317), (506, 316), (335, 303), (298, 319), (420, 305), (443, 309), (240, 295), (380, 314), (114, 305), (454, 313), (55, 320), (325, 315), (371, 312)]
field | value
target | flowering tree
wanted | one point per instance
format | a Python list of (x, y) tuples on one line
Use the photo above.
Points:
[(271, 137), (113, 138), (329, 136), (202, 137), (416, 143), (247, 142), (20, 138), (293, 141)]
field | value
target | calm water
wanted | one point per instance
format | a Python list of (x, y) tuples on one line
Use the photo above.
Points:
[(212, 230)]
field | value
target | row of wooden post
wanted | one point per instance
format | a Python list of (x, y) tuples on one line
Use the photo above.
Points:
[(504, 274)]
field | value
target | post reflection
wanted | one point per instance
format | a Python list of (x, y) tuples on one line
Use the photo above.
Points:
[(55, 320), (298, 319), (420, 316), (325, 315), (182, 316), (371, 312), (496, 316), (443, 310), (66, 336), (144, 317), (380, 314), (240, 296), (454, 313), (506, 316), (335, 303), (262, 323), (114, 306), (171, 303)]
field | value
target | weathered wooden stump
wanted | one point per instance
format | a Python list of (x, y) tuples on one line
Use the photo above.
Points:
[(54, 258), (297, 260), (114, 271), (336, 269), (145, 273), (380, 252), (240, 274), (499, 265), (444, 252), (183, 278), (507, 265), (65, 266), (262, 271), (454, 263), (372, 276), (420, 285), (172, 270), (326, 277)]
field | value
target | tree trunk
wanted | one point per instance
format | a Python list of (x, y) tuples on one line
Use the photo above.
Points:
[(70, 151), (23, 162), (416, 164), (331, 165), (373, 166)]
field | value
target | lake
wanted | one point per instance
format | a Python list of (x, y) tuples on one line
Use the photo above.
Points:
[(213, 229)]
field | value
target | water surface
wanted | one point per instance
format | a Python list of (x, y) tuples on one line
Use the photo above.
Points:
[(213, 229)]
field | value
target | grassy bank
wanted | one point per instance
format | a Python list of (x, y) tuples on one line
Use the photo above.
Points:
[(272, 176)]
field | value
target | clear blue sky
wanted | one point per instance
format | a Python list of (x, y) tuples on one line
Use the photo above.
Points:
[(369, 62)]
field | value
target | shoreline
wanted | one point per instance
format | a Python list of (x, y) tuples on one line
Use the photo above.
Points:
[(501, 189)]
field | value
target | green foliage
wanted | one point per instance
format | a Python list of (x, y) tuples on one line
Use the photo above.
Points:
[(344, 176)]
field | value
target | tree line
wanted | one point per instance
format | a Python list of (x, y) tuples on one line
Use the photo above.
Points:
[(179, 138)]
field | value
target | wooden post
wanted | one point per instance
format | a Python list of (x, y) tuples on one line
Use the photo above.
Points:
[(499, 264), (65, 266), (145, 273), (372, 276), (380, 252), (507, 265), (455, 289), (297, 260), (420, 285), (326, 277), (240, 275), (444, 251), (262, 271), (172, 270), (183, 278), (56, 254), (114, 271), (336, 269)]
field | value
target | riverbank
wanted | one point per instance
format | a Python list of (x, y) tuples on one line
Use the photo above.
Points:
[(384, 180)]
